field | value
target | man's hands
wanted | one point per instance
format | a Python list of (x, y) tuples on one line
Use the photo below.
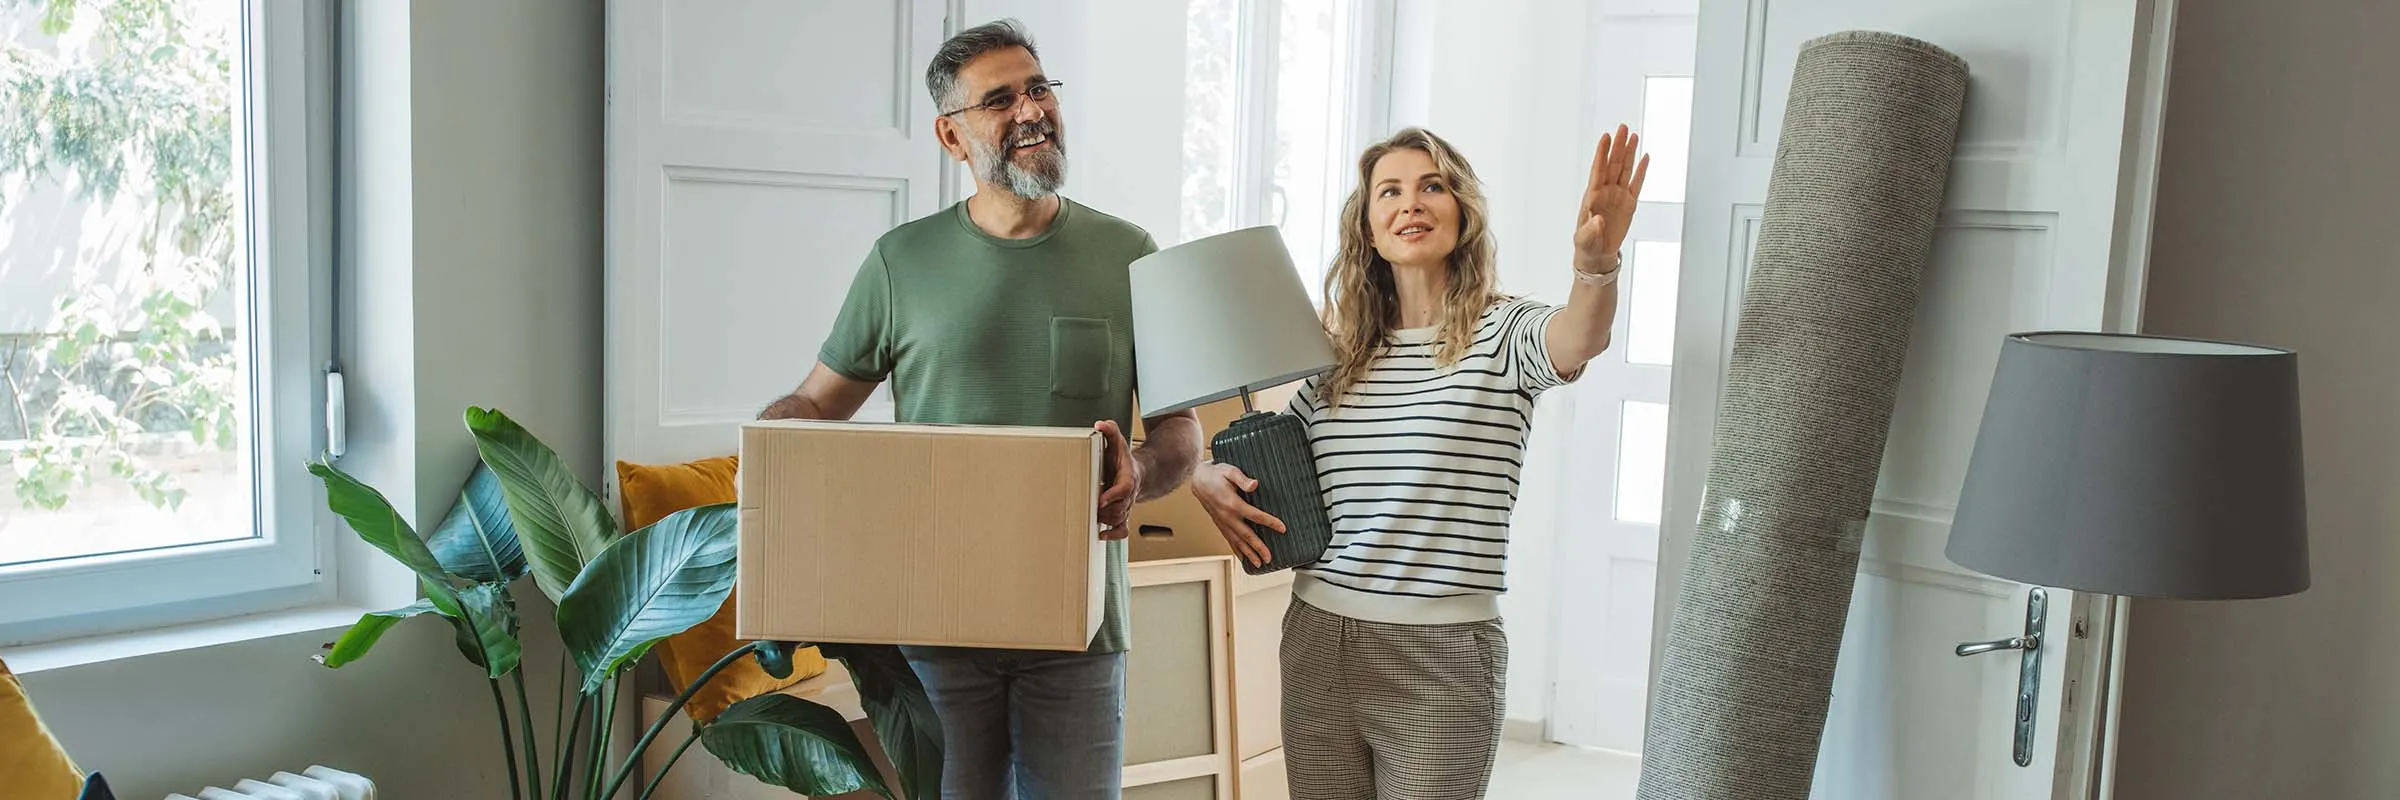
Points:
[(1139, 475), (1218, 487), (1123, 474)]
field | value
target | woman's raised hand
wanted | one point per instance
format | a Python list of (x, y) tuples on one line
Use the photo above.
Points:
[(1609, 200)]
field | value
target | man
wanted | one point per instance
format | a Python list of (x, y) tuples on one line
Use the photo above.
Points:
[(1011, 308)]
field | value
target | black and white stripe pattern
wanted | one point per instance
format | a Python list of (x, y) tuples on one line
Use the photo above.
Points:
[(1376, 711), (1420, 465)]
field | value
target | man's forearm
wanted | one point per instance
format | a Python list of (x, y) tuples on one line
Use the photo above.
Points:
[(793, 406), (1167, 455)]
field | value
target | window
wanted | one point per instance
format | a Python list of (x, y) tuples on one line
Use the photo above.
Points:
[(1279, 98), (1667, 135), (162, 297), (1641, 483), (1652, 272)]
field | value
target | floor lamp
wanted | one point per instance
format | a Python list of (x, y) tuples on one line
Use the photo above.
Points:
[(2133, 466)]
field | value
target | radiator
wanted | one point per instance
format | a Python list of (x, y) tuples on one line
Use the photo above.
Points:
[(314, 783)]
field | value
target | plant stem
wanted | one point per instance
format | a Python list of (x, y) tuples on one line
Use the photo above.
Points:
[(558, 713), (567, 750), (604, 723), (508, 741), (533, 753), (655, 780), (626, 770)]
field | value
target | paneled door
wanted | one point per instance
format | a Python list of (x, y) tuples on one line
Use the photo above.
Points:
[(756, 149), (2045, 227), (1639, 73)]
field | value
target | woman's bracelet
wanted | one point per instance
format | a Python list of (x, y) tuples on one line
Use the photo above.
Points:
[(1615, 265)]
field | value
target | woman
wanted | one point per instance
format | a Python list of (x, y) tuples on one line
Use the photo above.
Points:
[(1393, 656)]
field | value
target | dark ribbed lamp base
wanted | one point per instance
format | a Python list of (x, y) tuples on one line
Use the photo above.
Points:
[(1273, 450)]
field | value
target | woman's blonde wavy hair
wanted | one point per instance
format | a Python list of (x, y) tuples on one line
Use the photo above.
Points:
[(1362, 305)]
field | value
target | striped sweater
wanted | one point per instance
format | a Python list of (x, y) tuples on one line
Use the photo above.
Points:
[(1420, 465)]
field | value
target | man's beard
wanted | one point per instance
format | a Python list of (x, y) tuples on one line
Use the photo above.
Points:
[(994, 161)]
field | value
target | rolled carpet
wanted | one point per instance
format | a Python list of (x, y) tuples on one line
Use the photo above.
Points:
[(1740, 703)]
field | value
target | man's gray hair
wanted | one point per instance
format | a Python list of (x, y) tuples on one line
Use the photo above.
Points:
[(941, 78)]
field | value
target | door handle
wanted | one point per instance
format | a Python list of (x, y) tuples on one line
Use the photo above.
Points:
[(2010, 643), (2029, 669)]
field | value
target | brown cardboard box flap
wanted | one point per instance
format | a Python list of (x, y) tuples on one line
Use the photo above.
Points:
[(959, 535)]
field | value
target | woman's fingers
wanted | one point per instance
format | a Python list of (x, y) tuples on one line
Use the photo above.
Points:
[(1239, 479), (1599, 178), (1219, 496), (1640, 174), (1257, 550), (1627, 146), (1260, 516), (1633, 145), (1238, 534)]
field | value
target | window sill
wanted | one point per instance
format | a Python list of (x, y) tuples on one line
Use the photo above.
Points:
[(70, 653)]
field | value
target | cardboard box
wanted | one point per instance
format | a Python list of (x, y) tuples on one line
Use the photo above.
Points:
[(969, 536), (1174, 526)]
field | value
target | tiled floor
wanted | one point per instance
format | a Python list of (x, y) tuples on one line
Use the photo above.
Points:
[(1530, 771)]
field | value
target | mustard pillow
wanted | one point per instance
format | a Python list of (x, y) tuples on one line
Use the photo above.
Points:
[(650, 493), (32, 764)]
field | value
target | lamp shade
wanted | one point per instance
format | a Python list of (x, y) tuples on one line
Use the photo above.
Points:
[(2138, 465), (1220, 315)]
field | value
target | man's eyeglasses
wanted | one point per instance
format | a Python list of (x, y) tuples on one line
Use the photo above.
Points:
[(1043, 93)]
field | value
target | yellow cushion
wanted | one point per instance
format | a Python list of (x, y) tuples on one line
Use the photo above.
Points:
[(32, 764), (650, 493)]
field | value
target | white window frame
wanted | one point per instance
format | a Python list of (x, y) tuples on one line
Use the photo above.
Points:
[(285, 155), (1366, 119)]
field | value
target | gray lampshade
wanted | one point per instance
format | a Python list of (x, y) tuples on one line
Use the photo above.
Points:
[(1216, 316), (2141, 466)]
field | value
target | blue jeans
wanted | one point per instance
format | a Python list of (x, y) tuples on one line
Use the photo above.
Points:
[(1026, 724)]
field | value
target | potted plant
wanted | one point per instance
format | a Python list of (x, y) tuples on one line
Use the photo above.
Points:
[(523, 513)]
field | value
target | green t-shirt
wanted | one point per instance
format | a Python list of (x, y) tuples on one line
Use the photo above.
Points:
[(975, 329)]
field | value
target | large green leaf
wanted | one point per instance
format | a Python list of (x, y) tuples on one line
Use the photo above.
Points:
[(899, 709), (487, 629), (376, 521), (381, 525), (793, 743), (561, 524), (477, 541), (361, 637), (442, 595), (654, 583)]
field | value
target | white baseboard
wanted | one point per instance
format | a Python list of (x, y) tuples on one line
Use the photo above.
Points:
[(1523, 730)]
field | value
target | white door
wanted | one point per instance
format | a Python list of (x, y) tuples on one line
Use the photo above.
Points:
[(2044, 226), (1641, 73), (756, 149)]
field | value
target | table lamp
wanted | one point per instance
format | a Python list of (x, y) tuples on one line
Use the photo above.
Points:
[(1226, 315), (2133, 466)]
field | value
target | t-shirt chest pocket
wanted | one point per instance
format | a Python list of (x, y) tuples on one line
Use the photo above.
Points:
[(1081, 357)]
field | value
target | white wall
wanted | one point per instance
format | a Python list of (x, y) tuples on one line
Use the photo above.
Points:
[(2275, 225), (478, 251)]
